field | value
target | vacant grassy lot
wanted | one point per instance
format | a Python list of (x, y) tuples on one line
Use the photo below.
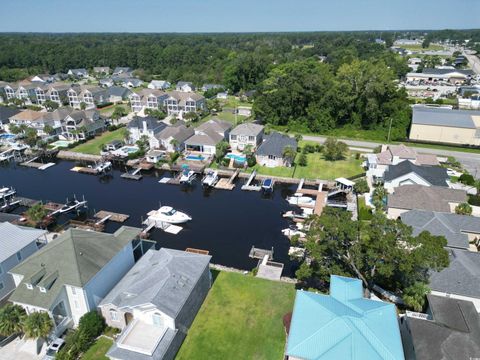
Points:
[(420, 48), (95, 145), (98, 350), (240, 319)]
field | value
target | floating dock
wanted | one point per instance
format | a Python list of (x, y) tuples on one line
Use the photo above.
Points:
[(227, 183), (167, 227), (197, 251), (104, 215), (257, 253), (269, 270), (133, 175), (248, 185), (23, 201), (84, 170)]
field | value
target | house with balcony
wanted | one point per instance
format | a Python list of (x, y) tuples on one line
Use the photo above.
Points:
[(58, 92), (56, 119), (26, 92), (173, 138), (159, 85), (342, 325), (72, 274), (41, 93), (154, 99), (17, 243), (207, 136), (93, 96), (155, 303), (145, 126), (117, 94), (32, 119), (81, 124), (185, 86), (246, 134), (10, 91), (271, 151), (179, 102)]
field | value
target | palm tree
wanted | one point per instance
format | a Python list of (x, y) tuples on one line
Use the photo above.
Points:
[(289, 154), (38, 325), (174, 143), (11, 319)]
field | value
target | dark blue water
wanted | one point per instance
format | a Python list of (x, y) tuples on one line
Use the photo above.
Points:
[(226, 223)]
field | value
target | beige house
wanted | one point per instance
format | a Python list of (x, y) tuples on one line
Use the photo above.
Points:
[(443, 125)]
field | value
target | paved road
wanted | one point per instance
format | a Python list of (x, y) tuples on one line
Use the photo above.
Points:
[(474, 62), (471, 161)]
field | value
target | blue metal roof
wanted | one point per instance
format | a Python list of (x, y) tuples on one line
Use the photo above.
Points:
[(343, 325)]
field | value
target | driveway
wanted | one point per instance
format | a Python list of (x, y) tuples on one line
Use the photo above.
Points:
[(470, 161), (20, 349)]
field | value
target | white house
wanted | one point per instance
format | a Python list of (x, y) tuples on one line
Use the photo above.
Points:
[(145, 126), (71, 275), (159, 84), (246, 134), (407, 173), (155, 303), (16, 244), (185, 86), (208, 136)]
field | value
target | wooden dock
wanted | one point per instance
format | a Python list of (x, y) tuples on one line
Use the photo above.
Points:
[(88, 224), (227, 183), (84, 170), (52, 206), (104, 215), (131, 176), (197, 251), (320, 202), (248, 185), (257, 253), (23, 201)]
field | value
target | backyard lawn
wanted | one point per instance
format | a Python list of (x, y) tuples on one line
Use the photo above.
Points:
[(98, 350), (95, 145), (241, 318), (224, 115)]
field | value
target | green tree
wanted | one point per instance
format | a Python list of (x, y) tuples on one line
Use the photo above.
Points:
[(221, 150), (414, 296), (91, 324), (302, 160), (289, 154), (48, 129), (463, 209), (156, 113), (83, 105), (361, 186), (191, 116), (119, 112), (31, 136), (37, 212), (174, 143), (379, 198), (38, 325), (12, 318), (50, 105), (334, 150)]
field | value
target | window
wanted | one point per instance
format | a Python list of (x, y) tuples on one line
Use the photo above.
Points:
[(113, 315), (157, 320), (271, 157), (251, 138), (77, 305), (74, 291), (1, 286), (19, 256), (234, 137)]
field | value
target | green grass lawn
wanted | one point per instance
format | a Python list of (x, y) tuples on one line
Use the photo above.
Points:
[(108, 110), (233, 102), (319, 168), (95, 145), (420, 48), (98, 350), (226, 116), (241, 318)]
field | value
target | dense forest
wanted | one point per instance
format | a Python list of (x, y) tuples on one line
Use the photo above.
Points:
[(314, 81)]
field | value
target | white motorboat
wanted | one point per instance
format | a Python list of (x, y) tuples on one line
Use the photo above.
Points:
[(167, 214), (187, 176), (7, 192), (300, 200), (210, 179), (72, 205), (267, 185), (102, 167), (292, 231)]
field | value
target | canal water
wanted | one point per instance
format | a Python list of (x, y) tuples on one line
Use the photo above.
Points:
[(226, 223)]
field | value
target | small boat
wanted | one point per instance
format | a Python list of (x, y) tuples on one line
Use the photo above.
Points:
[(292, 231), (300, 200), (267, 185), (7, 192), (167, 214), (103, 167), (72, 205), (210, 179), (187, 176)]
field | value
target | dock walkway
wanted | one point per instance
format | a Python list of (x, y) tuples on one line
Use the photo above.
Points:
[(71, 155), (116, 217)]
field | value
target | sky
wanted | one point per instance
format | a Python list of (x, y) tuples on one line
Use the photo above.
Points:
[(235, 15)]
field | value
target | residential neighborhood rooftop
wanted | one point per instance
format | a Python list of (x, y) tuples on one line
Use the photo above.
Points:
[(434, 175), (13, 238)]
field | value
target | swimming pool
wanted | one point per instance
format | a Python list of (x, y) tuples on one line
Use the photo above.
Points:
[(128, 149), (7, 136), (237, 158), (61, 143), (194, 157)]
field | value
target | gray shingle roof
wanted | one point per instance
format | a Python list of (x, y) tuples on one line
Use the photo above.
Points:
[(118, 91), (433, 198), (434, 175), (248, 129), (275, 143), (77, 255), (217, 125), (461, 277), (6, 113), (454, 332), (164, 278), (466, 72), (178, 132), (152, 123), (454, 227), (13, 238), (424, 115)]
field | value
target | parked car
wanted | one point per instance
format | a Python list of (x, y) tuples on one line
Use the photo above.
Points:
[(54, 348)]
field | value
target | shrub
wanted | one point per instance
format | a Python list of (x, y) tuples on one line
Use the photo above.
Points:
[(173, 157), (91, 324), (302, 160), (361, 186), (467, 179), (101, 106), (251, 161), (136, 154), (308, 149), (463, 209), (318, 148), (225, 161), (474, 200)]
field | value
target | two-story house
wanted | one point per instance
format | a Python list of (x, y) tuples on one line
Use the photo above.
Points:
[(145, 126), (57, 92), (185, 86), (173, 138), (179, 102), (155, 303), (72, 274), (207, 136), (80, 124), (32, 119), (246, 134), (16, 244)]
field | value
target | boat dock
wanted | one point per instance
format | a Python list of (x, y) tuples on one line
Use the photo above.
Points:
[(227, 183), (197, 251), (88, 224), (269, 270), (53, 207), (248, 185), (257, 253), (84, 170), (134, 175), (104, 215), (23, 201)]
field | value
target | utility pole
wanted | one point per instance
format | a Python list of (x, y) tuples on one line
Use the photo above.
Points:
[(389, 130)]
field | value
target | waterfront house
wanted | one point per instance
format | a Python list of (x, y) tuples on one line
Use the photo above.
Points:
[(114, 145), (106, 82), (441, 125), (450, 329), (207, 136), (56, 119), (155, 303), (102, 70), (343, 325), (29, 118), (419, 197), (57, 92), (179, 102), (154, 156), (122, 71), (270, 152), (246, 134), (16, 244), (461, 231), (185, 86), (460, 279), (80, 124), (117, 94), (377, 164), (173, 138), (145, 126), (407, 173), (71, 274), (5, 114), (159, 85), (78, 73)]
